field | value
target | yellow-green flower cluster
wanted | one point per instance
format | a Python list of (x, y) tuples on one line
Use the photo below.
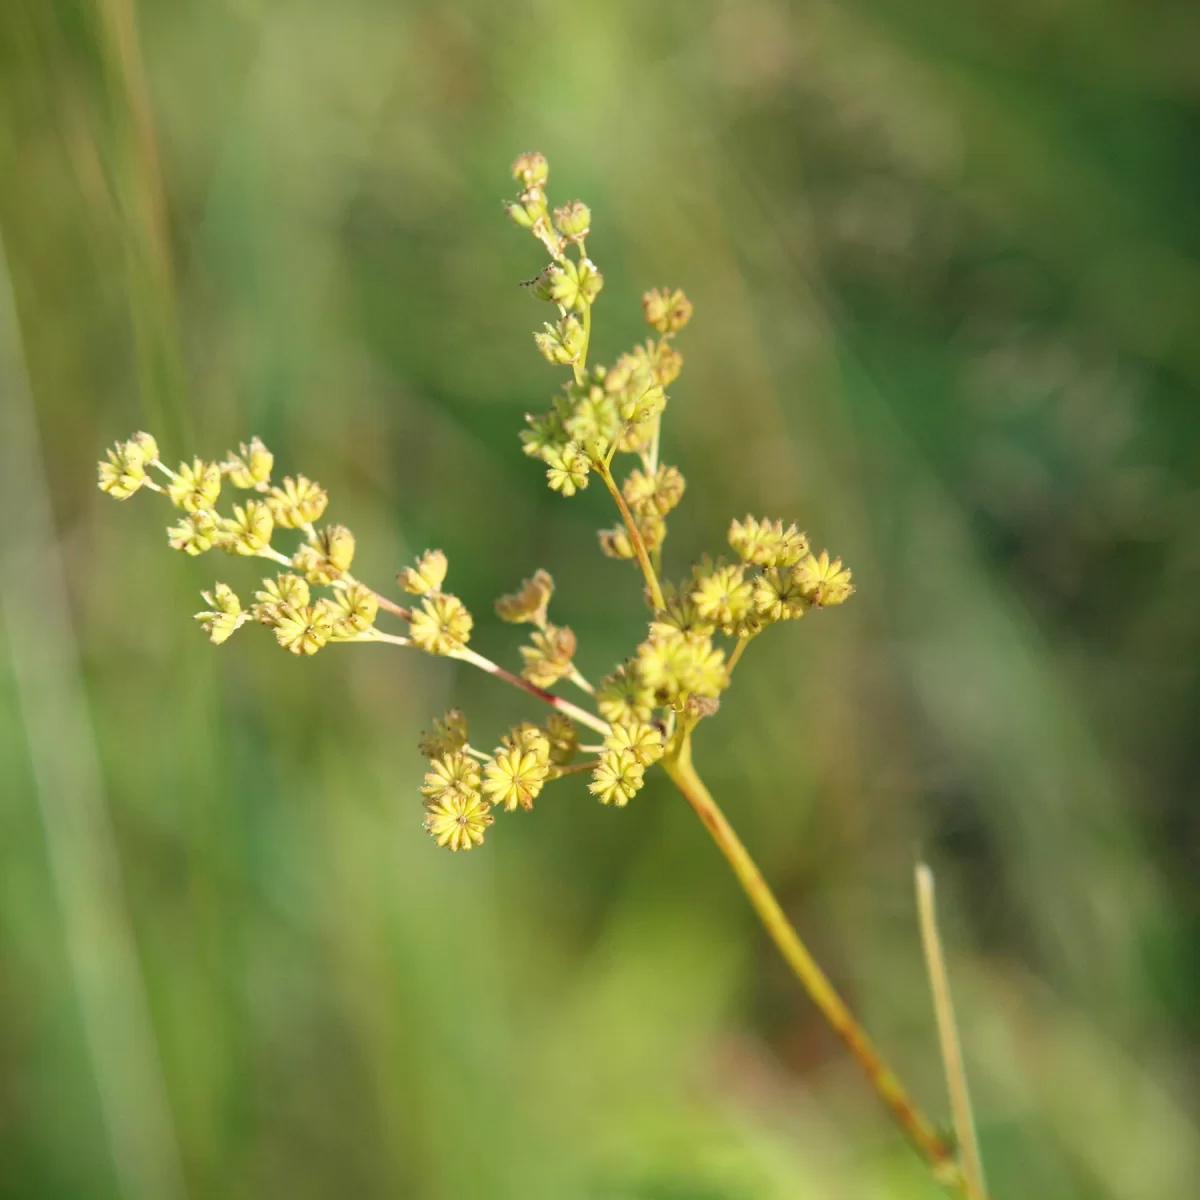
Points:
[(124, 471), (518, 769), (602, 411), (645, 710), (550, 654), (302, 625), (792, 579), (456, 811), (442, 624)]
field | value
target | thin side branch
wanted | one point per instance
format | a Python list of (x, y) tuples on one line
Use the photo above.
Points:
[(635, 536), (952, 1057)]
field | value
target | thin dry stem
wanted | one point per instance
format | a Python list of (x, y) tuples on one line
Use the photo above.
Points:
[(952, 1057)]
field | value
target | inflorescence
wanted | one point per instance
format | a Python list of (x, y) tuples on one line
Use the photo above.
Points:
[(700, 624)]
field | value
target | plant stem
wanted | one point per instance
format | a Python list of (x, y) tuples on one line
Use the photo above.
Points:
[(578, 679), (738, 651), (391, 606), (952, 1058), (466, 654), (890, 1090), (635, 537)]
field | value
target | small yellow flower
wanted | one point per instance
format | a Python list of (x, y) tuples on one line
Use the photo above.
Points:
[(575, 285), (563, 343), (563, 737), (573, 220), (668, 363), (528, 737), (593, 417), (567, 468), (282, 592), (767, 543), (449, 734), (353, 609), (823, 582), (427, 576), (529, 602), (654, 494), (441, 625), (514, 777), (250, 528), (672, 664), (455, 770), (224, 614), (304, 629), (624, 696), (617, 778), (778, 596), (251, 467), (327, 557), (723, 596), (643, 741), (195, 487), (298, 502), (457, 819), (531, 169), (196, 533), (125, 471), (549, 658), (667, 312)]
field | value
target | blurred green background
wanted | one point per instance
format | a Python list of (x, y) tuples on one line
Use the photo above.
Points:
[(945, 265)]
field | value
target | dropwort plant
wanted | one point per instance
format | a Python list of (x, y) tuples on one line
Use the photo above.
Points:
[(648, 709)]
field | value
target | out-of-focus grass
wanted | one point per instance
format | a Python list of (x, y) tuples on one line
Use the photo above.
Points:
[(944, 262)]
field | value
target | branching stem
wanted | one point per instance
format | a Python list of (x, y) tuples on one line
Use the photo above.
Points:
[(467, 655)]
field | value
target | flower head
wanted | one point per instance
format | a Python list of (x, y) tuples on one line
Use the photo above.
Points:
[(724, 596), (250, 528), (457, 819), (575, 284), (196, 533), (573, 220), (823, 582), (625, 696), (224, 614), (353, 609), (282, 592), (562, 343), (529, 602), (449, 734), (441, 625), (548, 659), (303, 629), (455, 770), (617, 778), (668, 312), (195, 487), (250, 467), (514, 775), (563, 736), (124, 472), (298, 502), (778, 596), (327, 557), (568, 468), (767, 543), (654, 494), (642, 740), (427, 576)]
